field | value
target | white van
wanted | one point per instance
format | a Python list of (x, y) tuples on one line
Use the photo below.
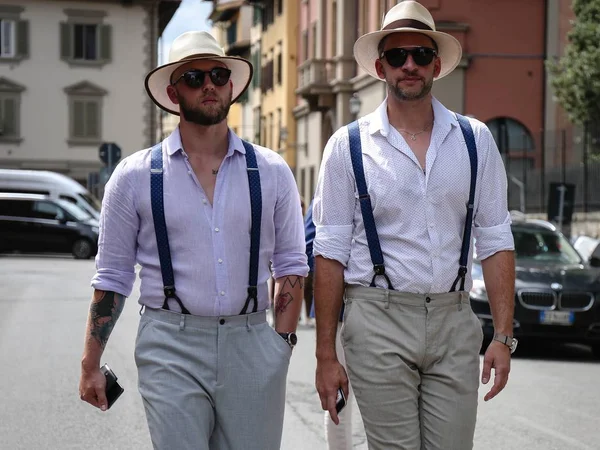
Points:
[(52, 184)]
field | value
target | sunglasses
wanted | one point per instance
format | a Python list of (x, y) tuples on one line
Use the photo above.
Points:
[(396, 57), (219, 76)]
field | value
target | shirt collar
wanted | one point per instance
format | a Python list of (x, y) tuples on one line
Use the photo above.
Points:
[(173, 143), (379, 120)]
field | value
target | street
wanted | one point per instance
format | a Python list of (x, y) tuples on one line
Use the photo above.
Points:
[(551, 402)]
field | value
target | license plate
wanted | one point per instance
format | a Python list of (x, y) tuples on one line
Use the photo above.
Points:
[(557, 317)]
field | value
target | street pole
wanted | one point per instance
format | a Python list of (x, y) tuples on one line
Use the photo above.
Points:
[(561, 205)]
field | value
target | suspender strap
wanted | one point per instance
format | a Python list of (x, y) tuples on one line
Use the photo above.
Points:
[(467, 131), (256, 211), (365, 204), (160, 227)]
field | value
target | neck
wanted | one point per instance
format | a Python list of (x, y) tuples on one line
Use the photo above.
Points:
[(410, 115), (202, 140)]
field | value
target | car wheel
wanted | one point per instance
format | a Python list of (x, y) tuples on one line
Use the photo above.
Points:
[(82, 249)]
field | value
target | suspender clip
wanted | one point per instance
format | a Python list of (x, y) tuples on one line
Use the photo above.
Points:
[(462, 271), (379, 269), (252, 292), (169, 291)]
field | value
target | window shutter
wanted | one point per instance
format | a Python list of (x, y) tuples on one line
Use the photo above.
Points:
[(78, 118), (23, 38), (92, 120), (9, 117), (66, 36), (105, 42)]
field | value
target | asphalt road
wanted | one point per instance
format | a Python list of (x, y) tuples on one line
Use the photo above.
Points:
[(552, 401)]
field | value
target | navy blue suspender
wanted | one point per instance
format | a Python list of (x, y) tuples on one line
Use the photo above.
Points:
[(367, 209), (162, 239)]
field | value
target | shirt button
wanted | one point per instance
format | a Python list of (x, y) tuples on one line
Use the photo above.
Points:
[(222, 293), (428, 299), (217, 229), (220, 261), (204, 201), (222, 321)]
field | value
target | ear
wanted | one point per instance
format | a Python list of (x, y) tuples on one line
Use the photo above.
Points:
[(437, 67), (380, 69), (172, 93)]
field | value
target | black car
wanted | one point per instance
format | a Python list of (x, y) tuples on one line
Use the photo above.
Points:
[(557, 293), (37, 224)]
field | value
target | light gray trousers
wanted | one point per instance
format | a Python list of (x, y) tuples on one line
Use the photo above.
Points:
[(213, 383), (413, 361)]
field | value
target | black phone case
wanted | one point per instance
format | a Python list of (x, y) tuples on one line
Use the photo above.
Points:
[(341, 401), (113, 388)]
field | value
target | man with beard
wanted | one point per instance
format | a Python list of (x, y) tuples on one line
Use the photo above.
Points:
[(205, 215), (399, 193)]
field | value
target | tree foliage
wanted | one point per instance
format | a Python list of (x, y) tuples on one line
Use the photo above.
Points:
[(576, 76)]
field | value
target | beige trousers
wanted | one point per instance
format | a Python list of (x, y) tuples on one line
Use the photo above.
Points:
[(413, 361)]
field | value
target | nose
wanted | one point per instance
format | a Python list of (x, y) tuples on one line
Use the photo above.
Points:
[(409, 64)]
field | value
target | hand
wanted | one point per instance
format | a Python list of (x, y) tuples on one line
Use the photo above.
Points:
[(92, 386), (330, 376), (497, 356)]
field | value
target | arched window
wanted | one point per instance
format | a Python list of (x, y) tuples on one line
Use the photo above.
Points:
[(510, 135)]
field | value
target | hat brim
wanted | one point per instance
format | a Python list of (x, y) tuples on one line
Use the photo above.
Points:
[(449, 49), (157, 80)]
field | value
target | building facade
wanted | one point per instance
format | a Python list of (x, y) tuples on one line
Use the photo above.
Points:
[(71, 78)]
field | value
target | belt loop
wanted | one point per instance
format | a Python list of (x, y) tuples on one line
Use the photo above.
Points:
[(141, 309), (182, 322), (248, 322), (387, 299)]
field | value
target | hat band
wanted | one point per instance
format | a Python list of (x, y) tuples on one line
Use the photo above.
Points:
[(408, 23)]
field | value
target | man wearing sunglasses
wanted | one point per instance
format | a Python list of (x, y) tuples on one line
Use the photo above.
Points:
[(206, 216), (399, 193)]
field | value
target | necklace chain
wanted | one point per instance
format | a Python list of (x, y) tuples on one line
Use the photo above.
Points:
[(413, 136)]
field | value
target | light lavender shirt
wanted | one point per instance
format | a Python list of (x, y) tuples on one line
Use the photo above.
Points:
[(210, 245)]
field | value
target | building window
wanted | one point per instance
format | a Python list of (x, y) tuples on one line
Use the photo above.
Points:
[(510, 135), (305, 45), (85, 113), (279, 7), (10, 110), (14, 34), (279, 126), (84, 39), (257, 124), (333, 24), (271, 126), (280, 65), (268, 14)]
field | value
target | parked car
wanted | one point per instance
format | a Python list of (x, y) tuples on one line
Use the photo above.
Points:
[(35, 223), (557, 292), (52, 184)]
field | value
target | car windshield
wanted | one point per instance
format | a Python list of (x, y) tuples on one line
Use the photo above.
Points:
[(544, 246), (74, 210), (91, 200)]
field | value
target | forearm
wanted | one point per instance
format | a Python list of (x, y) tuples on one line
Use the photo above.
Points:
[(499, 278), (329, 293), (288, 296), (105, 309)]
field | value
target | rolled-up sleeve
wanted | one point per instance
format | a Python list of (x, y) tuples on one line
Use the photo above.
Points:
[(117, 242), (289, 255), (335, 201), (492, 220)]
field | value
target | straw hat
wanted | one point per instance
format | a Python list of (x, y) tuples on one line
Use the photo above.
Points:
[(193, 46), (407, 17)]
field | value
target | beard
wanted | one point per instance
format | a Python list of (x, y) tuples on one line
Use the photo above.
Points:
[(195, 114), (404, 95)]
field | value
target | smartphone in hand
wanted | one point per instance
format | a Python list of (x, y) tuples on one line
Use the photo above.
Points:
[(113, 389), (340, 401)]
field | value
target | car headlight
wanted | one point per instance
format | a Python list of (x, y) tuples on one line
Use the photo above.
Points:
[(478, 291), (95, 230)]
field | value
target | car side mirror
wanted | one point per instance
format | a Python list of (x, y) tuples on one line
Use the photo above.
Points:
[(594, 261)]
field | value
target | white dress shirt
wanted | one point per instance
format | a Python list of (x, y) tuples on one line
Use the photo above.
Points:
[(419, 212)]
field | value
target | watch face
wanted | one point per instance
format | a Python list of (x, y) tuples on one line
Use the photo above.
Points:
[(293, 338)]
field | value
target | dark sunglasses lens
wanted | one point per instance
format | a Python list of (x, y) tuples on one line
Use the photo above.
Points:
[(219, 76), (194, 78), (423, 56), (396, 57)]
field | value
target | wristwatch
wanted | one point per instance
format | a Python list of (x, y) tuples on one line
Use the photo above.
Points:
[(290, 338), (509, 341)]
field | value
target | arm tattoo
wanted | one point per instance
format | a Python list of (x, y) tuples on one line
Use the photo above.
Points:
[(104, 312), (285, 297)]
